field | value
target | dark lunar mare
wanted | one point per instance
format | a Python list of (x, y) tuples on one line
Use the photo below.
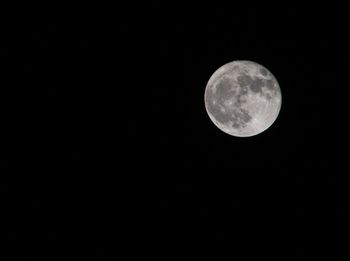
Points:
[(224, 88), (244, 80), (263, 71), (270, 84), (224, 91), (256, 85)]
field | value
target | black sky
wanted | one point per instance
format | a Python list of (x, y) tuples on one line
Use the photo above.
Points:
[(107, 150)]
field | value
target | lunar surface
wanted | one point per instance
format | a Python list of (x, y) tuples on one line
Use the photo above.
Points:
[(243, 98)]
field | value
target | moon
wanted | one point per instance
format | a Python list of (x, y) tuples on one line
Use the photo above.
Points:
[(243, 98)]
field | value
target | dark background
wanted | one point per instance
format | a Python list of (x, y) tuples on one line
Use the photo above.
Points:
[(107, 151)]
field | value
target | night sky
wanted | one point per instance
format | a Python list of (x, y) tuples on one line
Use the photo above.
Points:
[(107, 150)]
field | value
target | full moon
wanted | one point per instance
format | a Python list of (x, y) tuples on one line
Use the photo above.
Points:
[(243, 98)]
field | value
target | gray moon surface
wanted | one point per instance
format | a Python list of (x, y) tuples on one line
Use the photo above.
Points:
[(243, 98)]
